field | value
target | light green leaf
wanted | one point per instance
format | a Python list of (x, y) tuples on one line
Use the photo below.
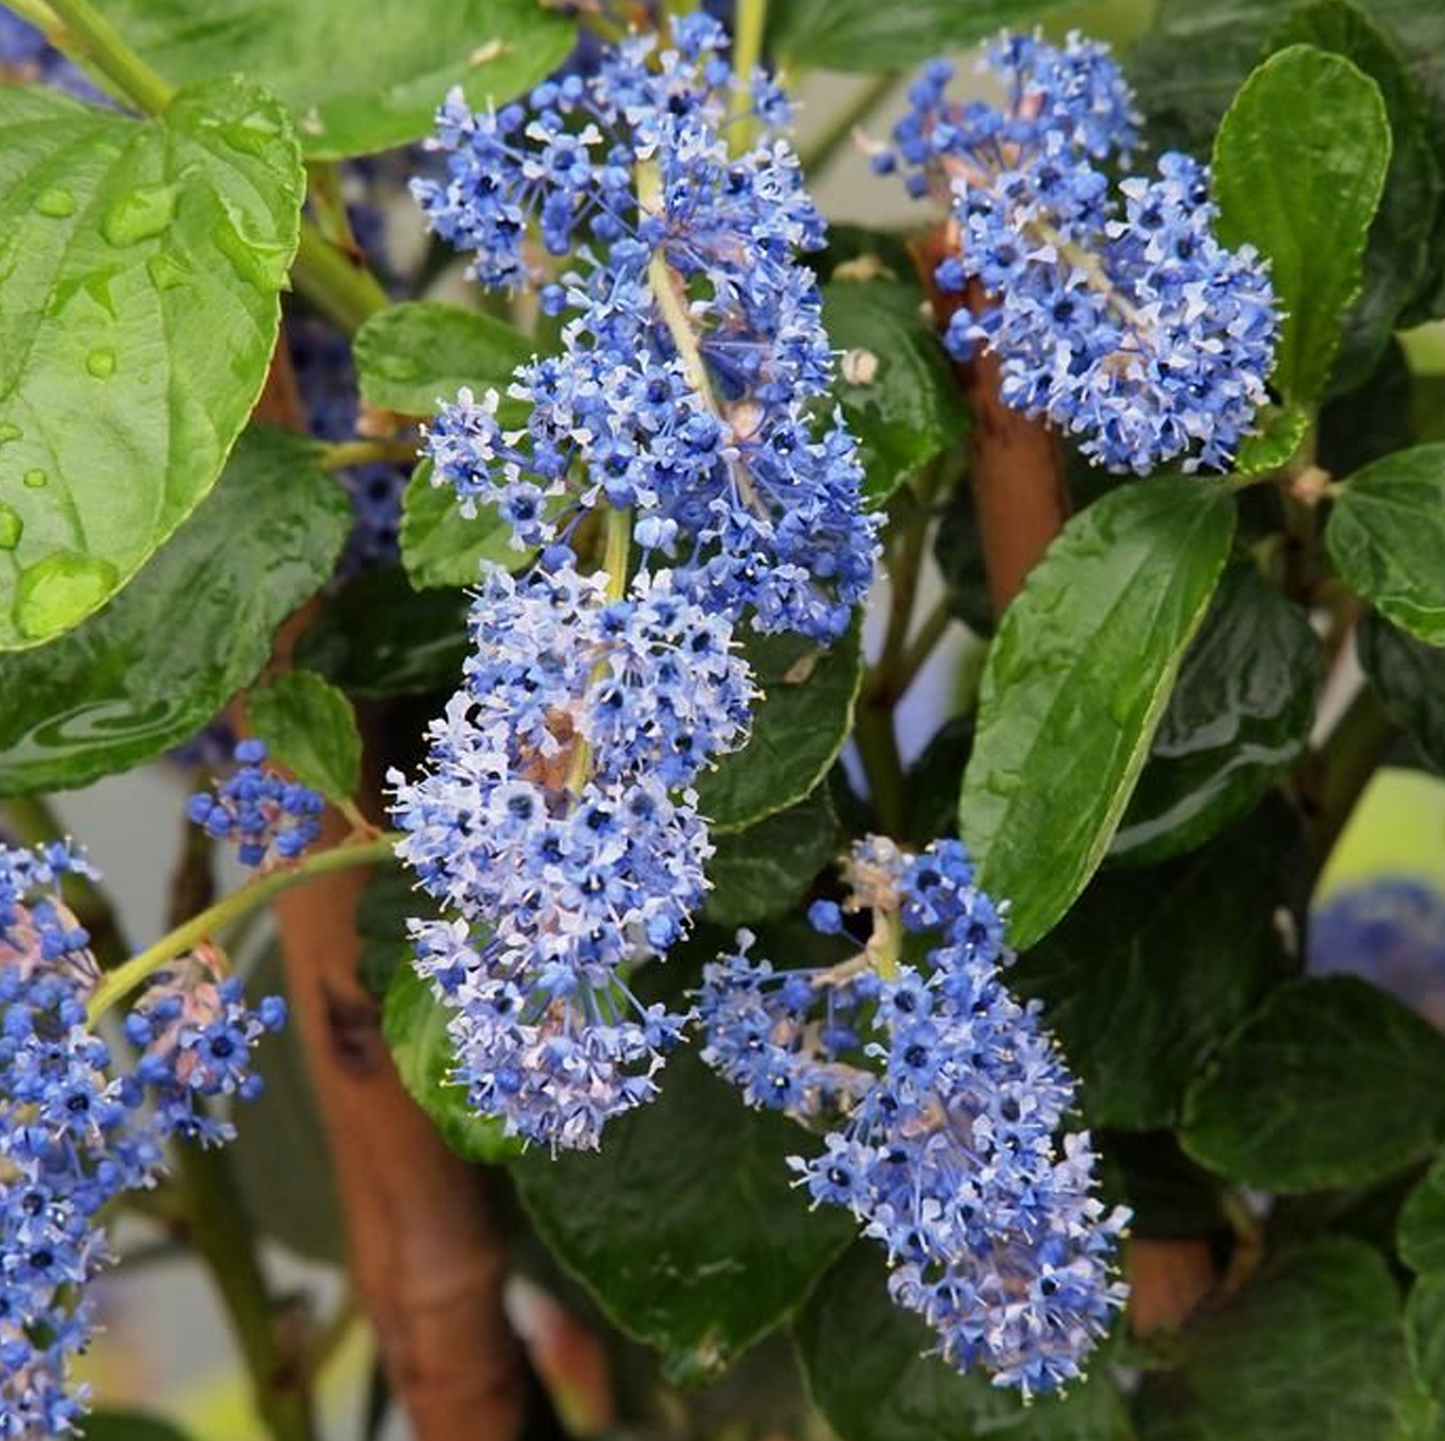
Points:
[(1331, 1083), (414, 357), (140, 270), (442, 548), (896, 389), (310, 727), (132, 681), (686, 1226), (1279, 436), (1386, 536), (1076, 682), (1299, 166), (414, 1023), (355, 82), (798, 728)]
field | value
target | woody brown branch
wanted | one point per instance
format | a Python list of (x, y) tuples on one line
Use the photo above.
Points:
[(424, 1249)]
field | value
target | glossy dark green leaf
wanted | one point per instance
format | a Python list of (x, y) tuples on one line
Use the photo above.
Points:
[(389, 897), (1421, 1231), (799, 727), (354, 85), (1331, 1083), (862, 35), (895, 386), (758, 873), (1076, 683), (1240, 712), (414, 1023), (868, 1372), (128, 1426), (310, 727), (141, 264), (414, 357), (133, 681), (1153, 968), (1312, 1348), (279, 1159), (1425, 1334), (377, 637), (1299, 166), (440, 547), (931, 783), (1373, 420), (686, 1226), (1408, 676), (1386, 536), (1398, 256)]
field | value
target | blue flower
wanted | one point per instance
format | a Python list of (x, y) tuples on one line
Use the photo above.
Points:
[(1114, 312), (942, 1096), (694, 360), (555, 822), (78, 1129), (27, 57), (269, 818)]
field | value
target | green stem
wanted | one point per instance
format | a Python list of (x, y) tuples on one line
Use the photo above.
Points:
[(221, 1233), (99, 42), (877, 743), (343, 454), (817, 156), (323, 191), (336, 281), (185, 937), (1336, 776), (935, 626), (748, 28)]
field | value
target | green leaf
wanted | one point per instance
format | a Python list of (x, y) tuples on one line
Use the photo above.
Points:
[(862, 35), (895, 388), (414, 357), (1312, 1348), (440, 547), (958, 548), (310, 726), (1153, 968), (686, 1226), (1408, 676), (279, 1159), (389, 897), (1281, 431), (131, 682), (128, 1426), (1331, 1083), (866, 1367), (414, 1023), (798, 729), (1398, 256), (760, 872), (1077, 680), (1241, 711), (1425, 1334), (353, 86), (1421, 1231), (376, 637), (1386, 536), (140, 270), (1299, 166)]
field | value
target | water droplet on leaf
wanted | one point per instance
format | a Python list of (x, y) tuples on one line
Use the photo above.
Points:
[(144, 212), (56, 202), (58, 591), (101, 363), (11, 527), (36, 479), (9, 431)]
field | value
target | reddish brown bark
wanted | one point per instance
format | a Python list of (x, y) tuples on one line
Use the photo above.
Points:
[(425, 1254), (1016, 469)]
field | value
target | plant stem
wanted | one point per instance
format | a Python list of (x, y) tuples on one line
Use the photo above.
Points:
[(343, 454), (820, 154), (749, 25), (933, 629), (1336, 776), (99, 42), (336, 281), (221, 1233), (125, 978), (877, 743)]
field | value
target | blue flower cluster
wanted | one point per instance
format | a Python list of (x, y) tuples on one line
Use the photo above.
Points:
[(268, 817), (943, 1096), (555, 821), (28, 58), (694, 357), (77, 1131), (1114, 313)]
